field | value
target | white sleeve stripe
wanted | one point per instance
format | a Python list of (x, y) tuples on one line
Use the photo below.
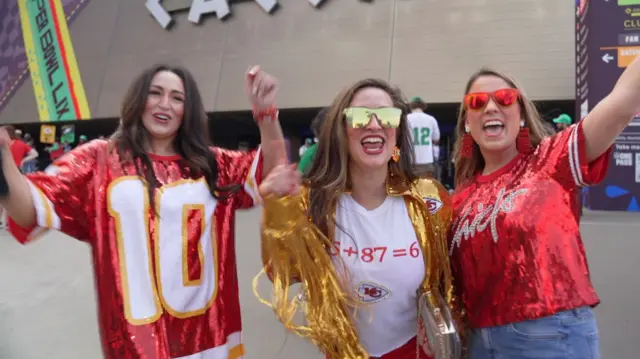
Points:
[(574, 157), (46, 215), (251, 182)]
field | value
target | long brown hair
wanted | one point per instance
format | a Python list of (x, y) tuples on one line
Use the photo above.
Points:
[(328, 177), (192, 141), (466, 168)]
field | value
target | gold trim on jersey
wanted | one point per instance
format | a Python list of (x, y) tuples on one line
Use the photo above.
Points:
[(236, 352), (185, 244), (126, 296), (214, 248)]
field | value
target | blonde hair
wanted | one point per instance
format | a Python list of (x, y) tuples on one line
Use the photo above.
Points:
[(328, 176), (466, 168)]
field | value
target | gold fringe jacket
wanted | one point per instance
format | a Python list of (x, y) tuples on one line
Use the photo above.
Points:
[(294, 250)]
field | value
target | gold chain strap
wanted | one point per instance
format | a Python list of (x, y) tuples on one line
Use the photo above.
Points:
[(417, 338)]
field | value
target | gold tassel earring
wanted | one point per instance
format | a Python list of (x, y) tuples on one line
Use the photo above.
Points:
[(396, 154)]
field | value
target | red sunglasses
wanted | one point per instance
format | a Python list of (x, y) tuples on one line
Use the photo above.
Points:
[(478, 100)]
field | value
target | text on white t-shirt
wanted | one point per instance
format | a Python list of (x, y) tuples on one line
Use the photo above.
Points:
[(385, 268)]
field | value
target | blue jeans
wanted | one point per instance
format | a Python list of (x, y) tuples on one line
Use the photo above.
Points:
[(29, 166), (572, 334)]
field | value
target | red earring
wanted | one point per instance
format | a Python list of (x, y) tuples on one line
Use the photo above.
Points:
[(466, 150), (523, 142)]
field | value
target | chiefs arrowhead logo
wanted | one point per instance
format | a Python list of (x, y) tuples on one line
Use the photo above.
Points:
[(301, 297), (372, 293), (433, 204)]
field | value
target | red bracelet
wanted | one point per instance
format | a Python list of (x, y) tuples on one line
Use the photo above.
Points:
[(266, 114)]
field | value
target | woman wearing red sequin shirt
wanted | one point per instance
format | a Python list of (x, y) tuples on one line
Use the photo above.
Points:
[(157, 205), (515, 247)]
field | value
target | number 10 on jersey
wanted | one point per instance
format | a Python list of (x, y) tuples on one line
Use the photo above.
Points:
[(150, 290)]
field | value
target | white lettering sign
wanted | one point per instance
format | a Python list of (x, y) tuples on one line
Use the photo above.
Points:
[(204, 7), (623, 159), (159, 13)]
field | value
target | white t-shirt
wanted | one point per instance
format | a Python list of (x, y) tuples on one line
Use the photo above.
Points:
[(386, 267), (424, 130)]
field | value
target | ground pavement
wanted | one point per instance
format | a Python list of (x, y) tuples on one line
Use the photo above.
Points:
[(47, 301)]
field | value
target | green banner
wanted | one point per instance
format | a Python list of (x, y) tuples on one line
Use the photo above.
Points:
[(56, 81), (628, 2)]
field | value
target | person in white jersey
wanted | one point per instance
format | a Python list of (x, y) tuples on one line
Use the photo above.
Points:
[(360, 230), (426, 137)]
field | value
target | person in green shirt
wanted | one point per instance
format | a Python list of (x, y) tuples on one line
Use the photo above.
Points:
[(307, 157), (562, 122)]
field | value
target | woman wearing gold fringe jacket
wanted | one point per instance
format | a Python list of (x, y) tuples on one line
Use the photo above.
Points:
[(362, 234)]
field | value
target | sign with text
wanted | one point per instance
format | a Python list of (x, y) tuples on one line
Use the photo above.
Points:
[(56, 80), (14, 66), (607, 41)]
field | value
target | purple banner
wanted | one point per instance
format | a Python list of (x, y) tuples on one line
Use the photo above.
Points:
[(14, 68), (607, 41)]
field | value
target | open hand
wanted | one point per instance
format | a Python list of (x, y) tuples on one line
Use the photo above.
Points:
[(261, 88), (284, 179)]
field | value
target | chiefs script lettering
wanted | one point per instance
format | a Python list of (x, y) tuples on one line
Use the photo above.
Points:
[(466, 227)]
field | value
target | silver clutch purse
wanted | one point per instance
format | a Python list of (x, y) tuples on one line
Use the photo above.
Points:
[(442, 336)]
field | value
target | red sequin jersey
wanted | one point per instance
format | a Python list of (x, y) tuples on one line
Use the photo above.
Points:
[(167, 284), (515, 247)]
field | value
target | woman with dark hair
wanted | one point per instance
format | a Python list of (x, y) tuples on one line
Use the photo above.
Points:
[(516, 248), (363, 234), (156, 202)]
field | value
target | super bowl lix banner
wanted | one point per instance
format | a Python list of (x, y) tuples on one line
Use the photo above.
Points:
[(57, 85)]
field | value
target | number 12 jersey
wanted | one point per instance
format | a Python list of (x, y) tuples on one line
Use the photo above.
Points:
[(167, 283), (425, 130)]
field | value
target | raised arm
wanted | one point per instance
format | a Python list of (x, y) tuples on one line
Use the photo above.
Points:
[(610, 117), (55, 199), (249, 168), (17, 200), (283, 214), (262, 89)]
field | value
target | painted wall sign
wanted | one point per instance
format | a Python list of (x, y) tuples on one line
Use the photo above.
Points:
[(162, 11), (58, 88)]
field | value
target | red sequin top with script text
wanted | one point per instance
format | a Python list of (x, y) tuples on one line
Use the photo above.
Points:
[(166, 284), (515, 246)]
